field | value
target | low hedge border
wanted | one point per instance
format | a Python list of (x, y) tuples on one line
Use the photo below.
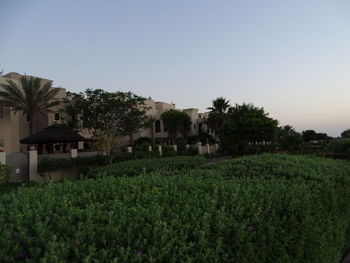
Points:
[(136, 167), (5, 172)]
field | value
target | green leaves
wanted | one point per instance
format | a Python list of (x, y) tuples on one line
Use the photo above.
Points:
[(259, 209), (175, 122), (5, 171), (136, 167), (245, 128), (31, 97)]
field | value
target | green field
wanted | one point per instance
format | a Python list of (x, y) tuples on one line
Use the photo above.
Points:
[(267, 208)]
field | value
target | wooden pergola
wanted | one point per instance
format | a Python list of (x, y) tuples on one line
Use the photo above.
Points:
[(56, 134)]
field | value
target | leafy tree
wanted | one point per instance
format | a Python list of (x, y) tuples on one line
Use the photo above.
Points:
[(289, 139), (340, 146), (217, 113), (31, 98), (246, 128), (346, 134), (175, 122), (135, 117), (104, 114), (309, 135), (73, 107), (321, 136)]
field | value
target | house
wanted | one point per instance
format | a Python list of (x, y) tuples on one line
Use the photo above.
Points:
[(14, 127)]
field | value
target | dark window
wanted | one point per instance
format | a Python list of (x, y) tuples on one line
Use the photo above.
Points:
[(57, 116), (1, 112), (157, 124), (200, 126), (194, 126)]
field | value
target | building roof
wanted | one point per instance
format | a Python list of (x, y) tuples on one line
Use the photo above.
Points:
[(54, 133)]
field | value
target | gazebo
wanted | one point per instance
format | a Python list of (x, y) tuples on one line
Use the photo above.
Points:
[(57, 135)]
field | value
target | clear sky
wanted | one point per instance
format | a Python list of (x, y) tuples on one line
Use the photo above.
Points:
[(291, 57)]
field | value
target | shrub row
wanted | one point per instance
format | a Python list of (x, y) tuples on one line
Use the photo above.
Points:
[(136, 167), (47, 165), (283, 165), (202, 216), (5, 171), (258, 209)]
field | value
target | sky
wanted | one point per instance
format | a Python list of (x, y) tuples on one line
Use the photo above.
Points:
[(290, 57)]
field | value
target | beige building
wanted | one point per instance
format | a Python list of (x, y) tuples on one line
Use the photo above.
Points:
[(198, 120), (14, 127)]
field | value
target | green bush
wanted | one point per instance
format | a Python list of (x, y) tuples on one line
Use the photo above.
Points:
[(340, 147), (283, 166), (48, 165), (136, 167), (125, 156), (259, 209), (168, 151), (5, 172)]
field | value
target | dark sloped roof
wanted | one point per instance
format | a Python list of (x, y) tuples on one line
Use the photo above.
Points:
[(52, 134)]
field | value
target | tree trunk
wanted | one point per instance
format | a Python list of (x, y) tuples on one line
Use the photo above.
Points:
[(153, 135), (31, 125), (131, 139)]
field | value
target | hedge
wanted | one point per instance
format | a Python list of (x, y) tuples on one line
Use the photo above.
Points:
[(339, 147), (47, 165), (136, 167), (283, 165), (238, 211), (5, 172)]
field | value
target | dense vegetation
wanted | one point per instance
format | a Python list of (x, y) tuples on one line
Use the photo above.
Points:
[(269, 208), (5, 171), (135, 167)]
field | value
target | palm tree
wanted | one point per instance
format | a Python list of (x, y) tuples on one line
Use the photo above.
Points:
[(219, 105), (31, 98), (218, 112)]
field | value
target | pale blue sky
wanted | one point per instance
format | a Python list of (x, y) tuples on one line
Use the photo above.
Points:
[(290, 57)]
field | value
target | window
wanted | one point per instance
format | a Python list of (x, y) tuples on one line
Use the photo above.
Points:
[(57, 116), (200, 126), (1, 113), (157, 124), (194, 126)]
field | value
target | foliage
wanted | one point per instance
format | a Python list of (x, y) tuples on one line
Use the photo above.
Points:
[(5, 172), (309, 135), (31, 97), (346, 134), (340, 146), (202, 137), (289, 139), (218, 113), (74, 104), (136, 167), (48, 165), (103, 113), (168, 151), (109, 115), (261, 209), (142, 140), (135, 116), (246, 129), (175, 122)]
